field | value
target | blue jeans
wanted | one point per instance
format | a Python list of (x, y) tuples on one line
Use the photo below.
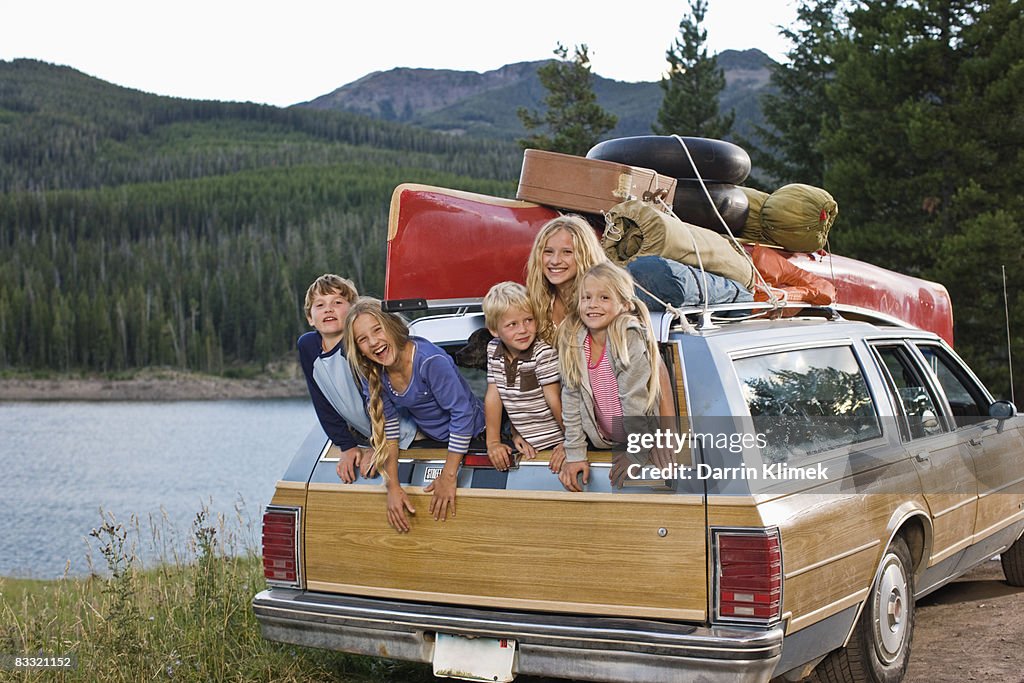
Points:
[(682, 285)]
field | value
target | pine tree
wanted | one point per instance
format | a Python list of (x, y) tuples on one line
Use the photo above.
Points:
[(894, 153), (798, 106), (924, 159), (574, 120), (986, 211), (693, 83)]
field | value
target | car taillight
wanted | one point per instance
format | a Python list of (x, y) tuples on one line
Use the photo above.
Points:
[(748, 575), (281, 546)]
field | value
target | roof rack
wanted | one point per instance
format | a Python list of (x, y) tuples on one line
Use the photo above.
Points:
[(694, 318), (710, 317)]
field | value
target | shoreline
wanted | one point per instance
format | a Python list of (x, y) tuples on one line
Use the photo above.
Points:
[(151, 386)]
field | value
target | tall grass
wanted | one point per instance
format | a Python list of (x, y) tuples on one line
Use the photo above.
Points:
[(188, 618)]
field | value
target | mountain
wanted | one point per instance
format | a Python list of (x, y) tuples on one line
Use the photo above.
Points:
[(468, 102), (62, 129), (401, 93)]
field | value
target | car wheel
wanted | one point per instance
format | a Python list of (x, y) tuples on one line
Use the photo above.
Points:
[(879, 650), (1013, 563)]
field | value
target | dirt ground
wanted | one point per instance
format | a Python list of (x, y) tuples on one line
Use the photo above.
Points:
[(970, 630)]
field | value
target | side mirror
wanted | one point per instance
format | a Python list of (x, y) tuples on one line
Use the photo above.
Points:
[(1002, 410)]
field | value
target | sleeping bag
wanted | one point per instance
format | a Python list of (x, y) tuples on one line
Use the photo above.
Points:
[(635, 228)]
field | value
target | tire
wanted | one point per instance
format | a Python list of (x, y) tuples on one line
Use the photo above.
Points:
[(1012, 560), (717, 160), (879, 650), (691, 205)]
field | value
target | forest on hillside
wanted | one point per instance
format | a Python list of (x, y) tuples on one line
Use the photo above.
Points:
[(138, 230)]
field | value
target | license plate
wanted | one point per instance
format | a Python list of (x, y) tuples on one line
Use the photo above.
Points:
[(474, 659)]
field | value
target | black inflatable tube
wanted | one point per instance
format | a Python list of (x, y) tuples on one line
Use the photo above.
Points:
[(691, 205), (717, 160)]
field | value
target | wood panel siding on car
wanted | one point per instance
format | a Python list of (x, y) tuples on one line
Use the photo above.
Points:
[(289, 493), (589, 553)]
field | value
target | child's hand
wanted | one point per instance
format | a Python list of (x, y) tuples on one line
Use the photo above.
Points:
[(524, 447), (347, 463), (443, 489), (398, 503), (662, 457), (619, 470), (557, 458), (366, 464), (500, 456), (569, 473)]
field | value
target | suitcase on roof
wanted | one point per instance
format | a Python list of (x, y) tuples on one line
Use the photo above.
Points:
[(587, 185)]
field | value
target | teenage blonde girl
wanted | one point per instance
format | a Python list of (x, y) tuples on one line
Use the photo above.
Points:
[(404, 372), (564, 249), (609, 360)]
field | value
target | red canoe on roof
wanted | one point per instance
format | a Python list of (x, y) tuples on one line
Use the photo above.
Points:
[(449, 244)]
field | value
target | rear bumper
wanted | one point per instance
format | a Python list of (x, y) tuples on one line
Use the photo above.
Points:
[(583, 648)]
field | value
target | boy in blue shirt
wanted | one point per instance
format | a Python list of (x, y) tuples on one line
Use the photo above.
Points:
[(339, 404)]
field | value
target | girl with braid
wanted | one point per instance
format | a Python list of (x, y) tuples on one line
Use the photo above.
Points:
[(408, 372)]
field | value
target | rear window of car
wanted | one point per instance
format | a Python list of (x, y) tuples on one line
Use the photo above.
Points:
[(807, 401)]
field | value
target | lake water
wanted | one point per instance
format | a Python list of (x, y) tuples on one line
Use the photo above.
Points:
[(62, 462)]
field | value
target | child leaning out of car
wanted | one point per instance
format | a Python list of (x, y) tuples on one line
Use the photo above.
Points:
[(609, 362), (407, 372), (522, 378), (337, 400)]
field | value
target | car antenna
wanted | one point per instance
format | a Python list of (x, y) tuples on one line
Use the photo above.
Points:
[(1009, 350)]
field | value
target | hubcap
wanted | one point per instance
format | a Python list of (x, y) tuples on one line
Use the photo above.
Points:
[(890, 610)]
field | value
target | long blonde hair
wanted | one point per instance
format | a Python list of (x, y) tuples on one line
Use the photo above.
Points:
[(586, 251), (369, 370), (570, 352)]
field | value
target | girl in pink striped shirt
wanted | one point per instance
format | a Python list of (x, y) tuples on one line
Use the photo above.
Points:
[(609, 360)]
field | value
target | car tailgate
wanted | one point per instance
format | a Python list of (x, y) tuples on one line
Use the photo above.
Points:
[(614, 553)]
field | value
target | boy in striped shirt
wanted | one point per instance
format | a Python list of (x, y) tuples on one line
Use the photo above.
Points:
[(522, 378)]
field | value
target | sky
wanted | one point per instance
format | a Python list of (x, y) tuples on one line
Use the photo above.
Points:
[(284, 52)]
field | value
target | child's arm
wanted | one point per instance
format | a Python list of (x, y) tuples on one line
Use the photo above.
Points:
[(497, 452), (553, 396), (633, 383), (633, 380), (575, 441), (549, 376), (398, 500), (333, 424), (465, 421), (392, 435), (443, 488)]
